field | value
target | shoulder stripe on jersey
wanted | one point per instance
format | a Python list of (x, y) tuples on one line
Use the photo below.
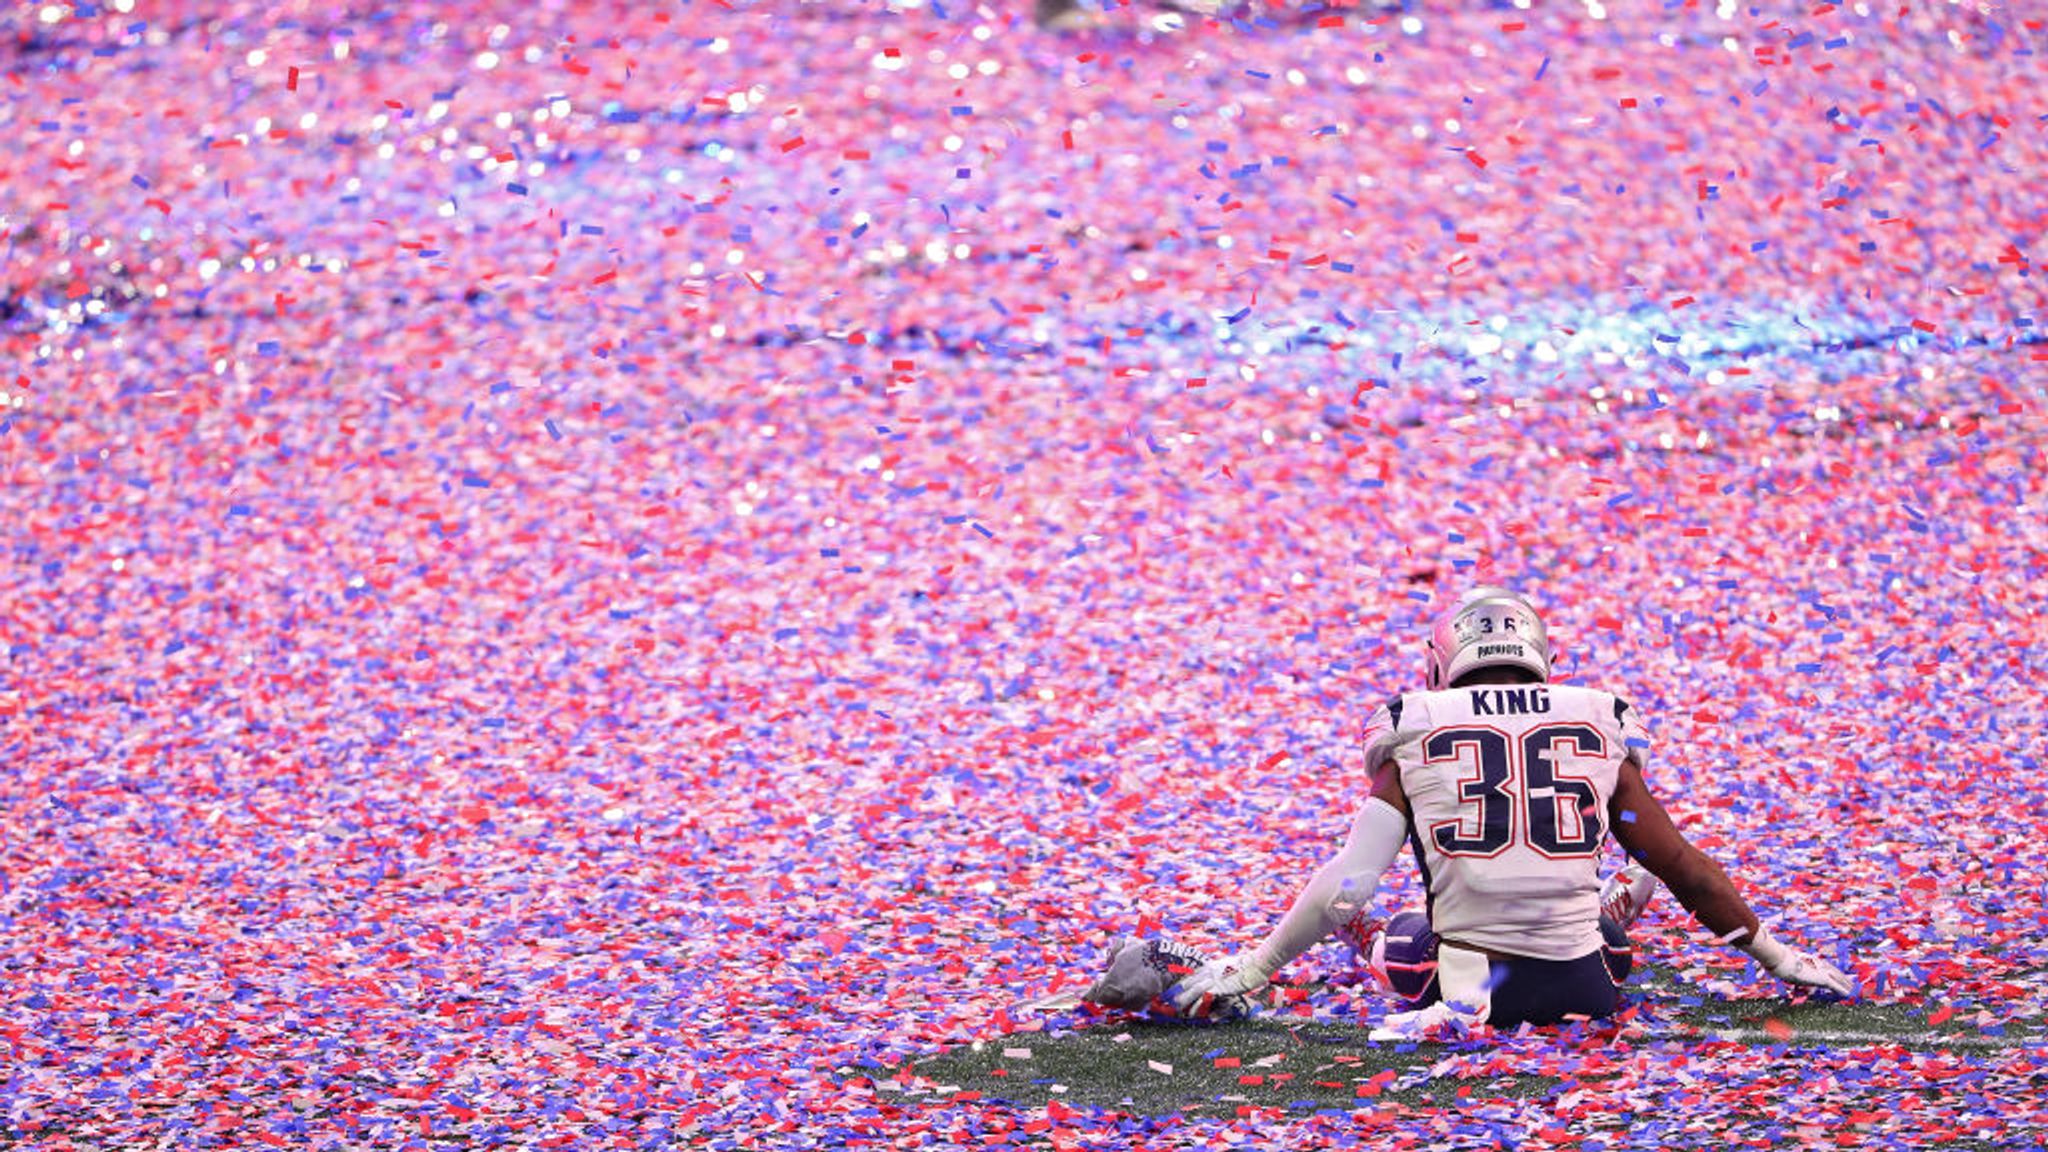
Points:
[(1620, 710), (1394, 711)]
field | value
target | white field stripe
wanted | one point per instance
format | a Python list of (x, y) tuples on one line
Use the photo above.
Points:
[(1921, 1039)]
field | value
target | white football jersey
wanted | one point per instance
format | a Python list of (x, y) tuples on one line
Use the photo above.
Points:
[(1507, 789)]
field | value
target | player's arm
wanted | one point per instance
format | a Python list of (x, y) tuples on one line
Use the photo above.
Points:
[(1340, 890), (1646, 831)]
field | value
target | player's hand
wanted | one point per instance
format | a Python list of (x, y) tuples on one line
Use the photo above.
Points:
[(1796, 966), (1810, 971), (1217, 982)]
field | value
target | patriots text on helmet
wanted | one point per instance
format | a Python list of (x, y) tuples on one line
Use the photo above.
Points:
[(1488, 627)]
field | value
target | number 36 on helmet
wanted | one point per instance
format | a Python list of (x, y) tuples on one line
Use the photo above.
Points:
[(1488, 627)]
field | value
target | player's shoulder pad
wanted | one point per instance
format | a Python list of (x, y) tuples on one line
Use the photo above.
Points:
[(1383, 730), (1387, 715), (1635, 733)]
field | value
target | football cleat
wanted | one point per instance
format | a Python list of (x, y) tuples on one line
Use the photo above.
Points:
[(1615, 951), (1626, 893), (1359, 933), (1402, 955), (1488, 627)]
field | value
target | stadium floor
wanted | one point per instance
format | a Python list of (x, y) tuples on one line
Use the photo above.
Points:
[(620, 575)]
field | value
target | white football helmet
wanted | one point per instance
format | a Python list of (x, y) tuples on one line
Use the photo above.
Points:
[(1487, 627)]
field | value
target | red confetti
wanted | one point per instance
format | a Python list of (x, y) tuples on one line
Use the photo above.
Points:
[(453, 703)]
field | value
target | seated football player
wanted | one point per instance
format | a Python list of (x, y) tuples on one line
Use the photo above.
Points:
[(1402, 952), (1506, 785)]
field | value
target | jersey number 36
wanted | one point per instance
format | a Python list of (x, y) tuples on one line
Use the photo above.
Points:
[(1510, 788)]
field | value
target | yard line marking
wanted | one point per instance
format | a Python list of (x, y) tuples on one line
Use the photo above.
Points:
[(1835, 1036)]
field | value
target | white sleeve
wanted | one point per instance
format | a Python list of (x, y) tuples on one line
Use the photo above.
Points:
[(1338, 889)]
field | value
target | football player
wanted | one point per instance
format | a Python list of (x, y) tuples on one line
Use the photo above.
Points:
[(1506, 786)]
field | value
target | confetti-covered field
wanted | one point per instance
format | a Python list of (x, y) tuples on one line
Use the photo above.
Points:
[(641, 575)]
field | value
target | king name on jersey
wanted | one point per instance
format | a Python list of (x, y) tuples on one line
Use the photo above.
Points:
[(1509, 701)]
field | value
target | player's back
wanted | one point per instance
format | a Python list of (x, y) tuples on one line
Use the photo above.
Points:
[(1507, 788)]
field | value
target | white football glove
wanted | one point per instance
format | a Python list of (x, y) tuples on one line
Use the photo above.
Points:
[(1795, 966), (1809, 970), (1218, 982)]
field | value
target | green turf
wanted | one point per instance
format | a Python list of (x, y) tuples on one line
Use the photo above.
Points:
[(1159, 1067)]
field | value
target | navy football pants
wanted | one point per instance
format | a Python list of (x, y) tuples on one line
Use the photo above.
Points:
[(1525, 990)]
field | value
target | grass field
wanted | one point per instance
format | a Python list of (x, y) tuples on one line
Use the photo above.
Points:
[(1302, 1060), (629, 575)]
